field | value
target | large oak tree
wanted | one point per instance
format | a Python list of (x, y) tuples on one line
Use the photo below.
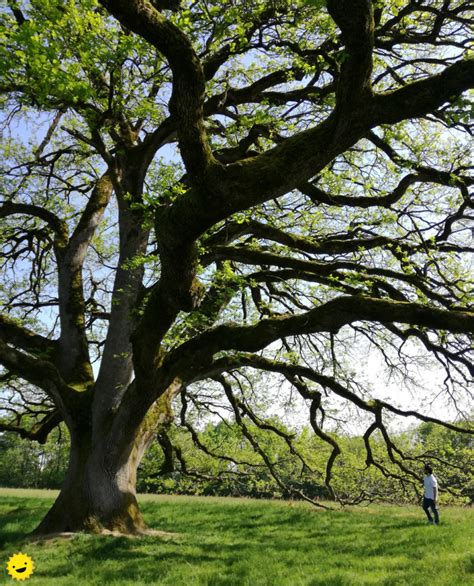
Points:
[(196, 189)]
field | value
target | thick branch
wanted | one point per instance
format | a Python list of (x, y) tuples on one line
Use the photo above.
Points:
[(291, 163), (74, 361), (356, 22), (426, 175), (40, 373), (216, 191), (421, 97), (233, 231), (186, 103), (117, 365), (328, 317), (252, 256), (12, 332)]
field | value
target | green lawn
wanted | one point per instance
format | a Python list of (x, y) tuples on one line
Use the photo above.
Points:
[(247, 542)]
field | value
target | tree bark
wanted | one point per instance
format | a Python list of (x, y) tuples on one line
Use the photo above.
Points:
[(99, 491), (98, 494)]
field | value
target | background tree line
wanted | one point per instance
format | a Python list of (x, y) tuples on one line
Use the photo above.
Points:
[(218, 462)]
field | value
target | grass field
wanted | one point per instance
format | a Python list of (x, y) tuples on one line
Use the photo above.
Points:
[(247, 542)]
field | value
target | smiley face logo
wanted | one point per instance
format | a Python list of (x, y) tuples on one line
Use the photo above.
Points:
[(20, 566)]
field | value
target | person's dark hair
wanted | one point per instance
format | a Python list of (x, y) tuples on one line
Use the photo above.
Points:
[(428, 469)]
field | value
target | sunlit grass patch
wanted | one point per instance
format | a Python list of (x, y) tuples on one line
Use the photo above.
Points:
[(246, 542)]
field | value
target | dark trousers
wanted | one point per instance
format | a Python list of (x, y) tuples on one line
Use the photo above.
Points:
[(430, 504)]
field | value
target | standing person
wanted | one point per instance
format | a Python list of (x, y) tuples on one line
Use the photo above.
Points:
[(431, 495)]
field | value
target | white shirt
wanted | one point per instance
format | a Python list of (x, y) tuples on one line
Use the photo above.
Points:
[(430, 483)]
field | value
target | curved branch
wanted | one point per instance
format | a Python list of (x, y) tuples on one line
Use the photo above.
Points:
[(424, 175), (40, 373), (12, 332), (186, 103), (255, 444), (324, 269), (435, 348), (293, 372), (58, 226), (40, 431), (328, 317)]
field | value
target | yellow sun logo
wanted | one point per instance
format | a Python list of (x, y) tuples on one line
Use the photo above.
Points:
[(20, 566)]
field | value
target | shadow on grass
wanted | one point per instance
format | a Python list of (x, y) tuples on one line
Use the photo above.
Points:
[(18, 521), (224, 544)]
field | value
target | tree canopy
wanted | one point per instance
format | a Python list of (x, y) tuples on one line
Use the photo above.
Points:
[(195, 191)]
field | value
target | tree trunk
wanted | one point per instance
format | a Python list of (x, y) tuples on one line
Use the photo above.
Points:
[(98, 495)]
